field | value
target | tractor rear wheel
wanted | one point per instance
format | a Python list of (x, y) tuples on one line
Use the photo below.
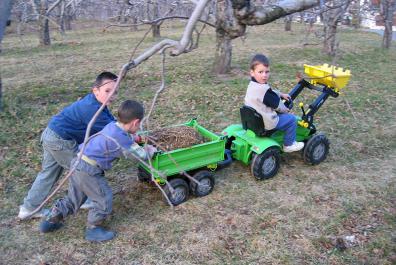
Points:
[(316, 149), (206, 183), (180, 191), (266, 164)]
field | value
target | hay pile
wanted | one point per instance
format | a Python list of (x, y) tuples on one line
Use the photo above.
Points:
[(169, 139)]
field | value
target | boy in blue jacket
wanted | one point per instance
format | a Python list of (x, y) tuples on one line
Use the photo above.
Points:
[(88, 180), (61, 138)]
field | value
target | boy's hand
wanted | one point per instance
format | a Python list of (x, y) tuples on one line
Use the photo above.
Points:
[(141, 139), (150, 150), (285, 96)]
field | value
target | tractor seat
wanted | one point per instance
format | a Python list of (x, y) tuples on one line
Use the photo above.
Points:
[(253, 121)]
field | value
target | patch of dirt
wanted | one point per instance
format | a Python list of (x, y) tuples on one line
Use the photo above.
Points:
[(169, 139)]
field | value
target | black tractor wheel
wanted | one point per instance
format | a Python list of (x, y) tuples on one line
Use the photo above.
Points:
[(180, 191), (206, 183), (266, 164), (143, 175), (316, 149)]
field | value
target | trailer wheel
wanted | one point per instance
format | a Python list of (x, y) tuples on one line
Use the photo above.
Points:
[(266, 164), (316, 149), (206, 183), (181, 191), (143, 175)]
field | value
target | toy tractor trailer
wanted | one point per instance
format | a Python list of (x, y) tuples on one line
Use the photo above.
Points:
[(248, 142), (252, 144)]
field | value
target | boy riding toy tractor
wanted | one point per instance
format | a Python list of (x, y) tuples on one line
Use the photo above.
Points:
[(252, 144)]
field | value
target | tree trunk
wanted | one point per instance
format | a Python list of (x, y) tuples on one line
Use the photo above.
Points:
[(43, 24), (356, 16), (387, 13), (329, 43), (288, 23), (68, 19), (331, 18), (223, 55), (1, 94), (134, 22), (156, 27), (61, 19)]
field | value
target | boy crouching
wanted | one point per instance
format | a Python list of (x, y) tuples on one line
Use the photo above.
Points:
[(88, 179)]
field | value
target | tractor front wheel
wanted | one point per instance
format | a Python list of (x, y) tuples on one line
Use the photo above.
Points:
[(180, 191), (266, 164), (316, 149), (206, 183), (143, 175)]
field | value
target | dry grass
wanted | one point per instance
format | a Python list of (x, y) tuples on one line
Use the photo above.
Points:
[(294, 218)]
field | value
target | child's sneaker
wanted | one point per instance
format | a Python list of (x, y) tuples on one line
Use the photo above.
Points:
[(88, 204), (296, 146), (25, 213), (98, 234), (52, 222)]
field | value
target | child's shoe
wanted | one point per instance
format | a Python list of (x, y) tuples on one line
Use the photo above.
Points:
[(52, 222), (296, 146), (88, 204), (98, 234), (25, 214)]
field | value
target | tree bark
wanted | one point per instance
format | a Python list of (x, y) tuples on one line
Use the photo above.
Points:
[(330, 40), (5, 10), (223, 54), (134, 22), (386, 8), (156, 28), (43, 24), (68, 19), (288, 23), (331, 17), (232, 17)]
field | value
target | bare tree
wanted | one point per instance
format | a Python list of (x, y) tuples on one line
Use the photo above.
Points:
[(5, 10), (42, 10), (332, 14), (232, 17), (288, 22), (386, 11)]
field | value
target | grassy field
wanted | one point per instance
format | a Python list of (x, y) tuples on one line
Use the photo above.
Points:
[(294, 218)]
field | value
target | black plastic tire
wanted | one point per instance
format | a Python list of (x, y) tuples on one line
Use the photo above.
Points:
[(266, 164), (143, 175), (206, 180), (316, 149), (181, 191)]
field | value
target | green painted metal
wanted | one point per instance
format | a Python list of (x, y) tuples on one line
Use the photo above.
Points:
[(246, 142), (185, 159)]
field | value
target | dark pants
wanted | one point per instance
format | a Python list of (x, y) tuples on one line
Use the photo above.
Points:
[(87, 181)]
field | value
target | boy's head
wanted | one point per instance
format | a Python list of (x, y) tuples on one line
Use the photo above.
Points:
[(259, 68), (103, 86), (130, 113)]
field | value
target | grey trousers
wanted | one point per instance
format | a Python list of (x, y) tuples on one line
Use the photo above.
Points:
[(57, 156), (87, 181)]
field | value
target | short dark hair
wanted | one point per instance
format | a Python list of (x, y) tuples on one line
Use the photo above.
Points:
[(104, 76), (259, 59), (130, 110)]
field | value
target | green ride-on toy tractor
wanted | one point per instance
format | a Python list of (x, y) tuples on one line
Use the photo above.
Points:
[(252, 144)]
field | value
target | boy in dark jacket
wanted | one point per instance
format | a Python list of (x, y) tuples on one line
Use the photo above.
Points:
[(88, 179), (61, 138)]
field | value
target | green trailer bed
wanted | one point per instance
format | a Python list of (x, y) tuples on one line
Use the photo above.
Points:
[(200, 160)]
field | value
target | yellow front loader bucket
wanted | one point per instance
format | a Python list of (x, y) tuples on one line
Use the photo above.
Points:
[(329, 75)]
